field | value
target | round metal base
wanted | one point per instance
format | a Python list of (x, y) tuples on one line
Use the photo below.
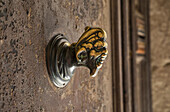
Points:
[(55, 52)]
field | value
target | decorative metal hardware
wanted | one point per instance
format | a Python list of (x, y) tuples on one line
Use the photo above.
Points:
[(62, 57)]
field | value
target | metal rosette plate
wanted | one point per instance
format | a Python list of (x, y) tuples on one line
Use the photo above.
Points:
[(54, 50)]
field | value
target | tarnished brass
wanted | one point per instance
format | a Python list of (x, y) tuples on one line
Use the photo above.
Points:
[(62, 57)]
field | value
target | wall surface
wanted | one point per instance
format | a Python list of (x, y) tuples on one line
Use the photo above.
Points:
[(26, 26), (160, 54)]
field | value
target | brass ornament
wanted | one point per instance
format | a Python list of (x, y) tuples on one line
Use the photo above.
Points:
[(62, 57)]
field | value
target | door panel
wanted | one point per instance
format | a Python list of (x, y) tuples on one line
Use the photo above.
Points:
[(25, 29)]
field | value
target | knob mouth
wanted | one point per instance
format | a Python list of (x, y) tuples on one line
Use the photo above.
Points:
[(92, 65)]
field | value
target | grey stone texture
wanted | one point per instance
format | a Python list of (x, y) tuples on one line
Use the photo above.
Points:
[(160, 54)]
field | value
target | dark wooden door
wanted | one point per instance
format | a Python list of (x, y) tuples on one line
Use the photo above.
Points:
[(131, 56), (26, 26)]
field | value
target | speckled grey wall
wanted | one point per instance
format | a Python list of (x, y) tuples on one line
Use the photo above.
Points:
[(26, 26), (160, 54)]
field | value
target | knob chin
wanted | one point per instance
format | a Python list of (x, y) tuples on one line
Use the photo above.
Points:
[(94, 72)]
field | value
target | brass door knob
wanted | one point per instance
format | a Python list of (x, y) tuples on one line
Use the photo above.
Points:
[(62, 57)]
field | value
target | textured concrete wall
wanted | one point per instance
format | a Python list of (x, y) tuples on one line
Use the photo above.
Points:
[(26, 26), (160, 54)]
